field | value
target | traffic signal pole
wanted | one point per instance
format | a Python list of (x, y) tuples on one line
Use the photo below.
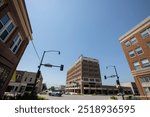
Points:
[(38, 74), (117, 81)]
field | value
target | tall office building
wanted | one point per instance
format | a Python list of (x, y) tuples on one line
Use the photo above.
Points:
[(136, 47), (84, 76), (15, 34)]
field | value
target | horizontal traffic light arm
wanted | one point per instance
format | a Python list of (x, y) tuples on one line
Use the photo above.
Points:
[(50, 65), (112, 76)]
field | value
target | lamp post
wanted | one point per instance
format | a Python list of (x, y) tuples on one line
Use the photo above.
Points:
[(46, 65), (117, 81)]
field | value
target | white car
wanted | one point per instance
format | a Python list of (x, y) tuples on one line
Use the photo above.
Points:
[(55, 93)]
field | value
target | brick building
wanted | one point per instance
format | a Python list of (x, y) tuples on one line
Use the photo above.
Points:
[(136, 47), (84, 76), (15, 34)]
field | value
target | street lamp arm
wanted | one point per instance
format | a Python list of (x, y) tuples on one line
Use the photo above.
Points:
[(53, 51), (44, 55)]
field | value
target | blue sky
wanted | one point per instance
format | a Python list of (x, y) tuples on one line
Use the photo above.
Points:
[(75, 27)]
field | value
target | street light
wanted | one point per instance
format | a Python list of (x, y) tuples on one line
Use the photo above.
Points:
[(44, 55), (117, 81), (46, 65)]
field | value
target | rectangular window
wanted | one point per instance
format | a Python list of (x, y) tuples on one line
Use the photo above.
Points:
[(147, 89), (139, 50), (92, 80), (145, 33), (16, 43), (6, 27), (5, 19), (25, 79), (86, 79), (30, 79), (18, 77), (127, 43), (142, 80), (145, 79), (131, 53), (97, 80), (136, 65), (148, 44), (133, 40), (145, 63)]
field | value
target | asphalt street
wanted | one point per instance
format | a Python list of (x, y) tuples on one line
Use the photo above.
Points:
[(80, 97)]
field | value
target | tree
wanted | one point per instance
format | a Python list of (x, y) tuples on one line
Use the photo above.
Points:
[(52, 88)]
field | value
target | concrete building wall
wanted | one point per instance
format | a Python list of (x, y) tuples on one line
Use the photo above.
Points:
[(84, 76)]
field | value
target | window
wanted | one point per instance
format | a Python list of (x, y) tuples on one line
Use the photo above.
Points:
[(15, 88), (142, 80), (92, 80), (148, 44), (30, 79), (18, 77), (136, 65), (145, 79), (139, 50), (16, 44), (133, 40), (147, 89), (86, 79), (127, 44), (25, 79), (22, 89), (6, 27), (145, 33), (131, 53), (97, 80), (145, 63)]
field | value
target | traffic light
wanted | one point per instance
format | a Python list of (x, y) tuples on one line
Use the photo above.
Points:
[(38, 74), (61, 67), (105, 77), (118, 83)]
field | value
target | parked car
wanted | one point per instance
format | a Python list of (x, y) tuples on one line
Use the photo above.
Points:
[(55, 93), (120, 94)]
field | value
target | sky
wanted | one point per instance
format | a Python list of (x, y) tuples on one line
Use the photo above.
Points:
[(75, 27)]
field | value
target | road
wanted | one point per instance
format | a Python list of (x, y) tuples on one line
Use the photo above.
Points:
[(80, 97)]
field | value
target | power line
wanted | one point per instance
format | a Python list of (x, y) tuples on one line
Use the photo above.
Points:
[(35, 50)]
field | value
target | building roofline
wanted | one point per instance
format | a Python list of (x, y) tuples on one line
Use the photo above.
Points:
[(27, 16), (21, 10), (135, 28), (83, 58)]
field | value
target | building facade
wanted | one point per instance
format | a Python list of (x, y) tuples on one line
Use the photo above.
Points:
[(136, 47), (15, 34), (132, 86), (24, 82), (84, 76)]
